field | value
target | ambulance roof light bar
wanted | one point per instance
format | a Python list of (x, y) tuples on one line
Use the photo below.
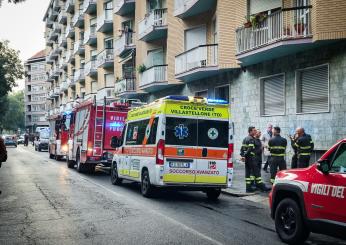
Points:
[(198, 98)]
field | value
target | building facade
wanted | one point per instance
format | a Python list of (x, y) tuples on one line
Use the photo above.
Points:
[(283, 63), (35, 92)]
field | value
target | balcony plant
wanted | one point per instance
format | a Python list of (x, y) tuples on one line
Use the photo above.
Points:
[(299, 27), (257, 19), (141, 68)]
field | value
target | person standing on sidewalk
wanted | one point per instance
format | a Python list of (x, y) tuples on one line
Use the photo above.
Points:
[(295, 154), (277, 147), (304, 145), (265, 139), (3, 152), (258, 158)]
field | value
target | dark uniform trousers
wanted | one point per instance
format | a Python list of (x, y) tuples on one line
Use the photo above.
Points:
[(275, 163), (303, 161)]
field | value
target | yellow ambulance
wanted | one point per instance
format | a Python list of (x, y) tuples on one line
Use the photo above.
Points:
[(180, 142)]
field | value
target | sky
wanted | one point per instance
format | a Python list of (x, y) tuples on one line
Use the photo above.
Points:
[(22, 24)]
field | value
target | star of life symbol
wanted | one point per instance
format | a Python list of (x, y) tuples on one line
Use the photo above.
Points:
[(181, 131), (213, 133)]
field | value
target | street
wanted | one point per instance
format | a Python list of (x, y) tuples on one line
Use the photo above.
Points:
[(44, 202)]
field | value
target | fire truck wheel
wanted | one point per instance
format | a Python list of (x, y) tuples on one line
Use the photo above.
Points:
[(114, 174), (51, 156), (57, 158), (80, 166), (70, 163), (91, 168), (213, 194), (289, 222), (146, 188)]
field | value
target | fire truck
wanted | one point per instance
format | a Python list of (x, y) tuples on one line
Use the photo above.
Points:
[(92, 126), (59, 133)]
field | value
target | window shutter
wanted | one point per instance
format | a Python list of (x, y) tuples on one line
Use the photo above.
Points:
[(273, 97), (313, 90)]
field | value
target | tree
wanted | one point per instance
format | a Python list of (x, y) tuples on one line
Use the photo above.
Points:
[(12, 1), (11, 68), (13, 118)]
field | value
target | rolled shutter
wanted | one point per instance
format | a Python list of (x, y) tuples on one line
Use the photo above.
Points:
[(273, 89), (314, 90), (257, 6)]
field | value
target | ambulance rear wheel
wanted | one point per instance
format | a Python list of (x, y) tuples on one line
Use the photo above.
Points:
[(213, 194), (289, 223), (146, 188), (114, 175)]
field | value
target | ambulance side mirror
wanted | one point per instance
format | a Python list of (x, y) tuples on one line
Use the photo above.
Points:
[(115, 142), (323, 166)]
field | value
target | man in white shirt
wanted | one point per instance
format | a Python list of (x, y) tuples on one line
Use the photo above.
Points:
[(266, 136)]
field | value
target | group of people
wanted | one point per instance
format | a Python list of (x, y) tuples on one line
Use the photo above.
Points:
[(271, 149)]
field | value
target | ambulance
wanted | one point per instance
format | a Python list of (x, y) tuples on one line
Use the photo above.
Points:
[(177, 142)]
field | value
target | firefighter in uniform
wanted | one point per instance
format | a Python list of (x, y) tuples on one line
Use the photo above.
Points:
[(252, 173), (277, 147), (304, 145)]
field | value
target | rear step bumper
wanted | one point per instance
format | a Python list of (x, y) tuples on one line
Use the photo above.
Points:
[(103, 166)]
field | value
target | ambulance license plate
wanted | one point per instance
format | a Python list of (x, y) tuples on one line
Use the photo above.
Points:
[(179, 164)]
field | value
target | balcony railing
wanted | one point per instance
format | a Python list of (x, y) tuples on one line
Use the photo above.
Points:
[(90, 35), (200, 56), (125, 85), (286, 24), (89, 6), (157, 18), (51, 93), (124, 42), (63, 86), (62, 18), (187, 8), (57, 91), (105, 58), (154, 74), (79, 75), (69, 6), (78, 47), (78, 19), (62, 41), (124, 7), (105, 21), (69, 56), (71, 82), (70, 31), (90, 68)]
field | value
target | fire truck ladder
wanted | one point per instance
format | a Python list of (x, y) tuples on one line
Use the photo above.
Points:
[(99, 127)]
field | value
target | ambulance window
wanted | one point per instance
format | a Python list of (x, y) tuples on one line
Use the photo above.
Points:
[(213, 133), (138, 130), (181, 131), (132, 134), (152, 133), (339, 163)]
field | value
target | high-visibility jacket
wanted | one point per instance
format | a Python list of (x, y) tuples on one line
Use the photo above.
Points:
[(304, 145), (248, 147), (277, 146)]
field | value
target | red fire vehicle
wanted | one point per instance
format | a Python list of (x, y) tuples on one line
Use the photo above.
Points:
[(312, 199), (59, 130), (92, 127)]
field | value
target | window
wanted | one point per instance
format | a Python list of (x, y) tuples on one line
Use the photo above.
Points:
[(339, 163), (155, 57), (272, 95), (203, 93), (195, 37), (138, 132), (93, 55), (109, 43), (181, 131), (93, 87), (38, 77), (38, 67), (313, 89), (109, 80), (212, 133), (222, 93), (108, 7)]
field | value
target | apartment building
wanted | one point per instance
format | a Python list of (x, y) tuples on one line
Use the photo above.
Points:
[(35, 92), (278, 61)]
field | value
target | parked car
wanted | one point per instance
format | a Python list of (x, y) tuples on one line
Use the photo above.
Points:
[(10, 140), (20, 140), (41, 142)]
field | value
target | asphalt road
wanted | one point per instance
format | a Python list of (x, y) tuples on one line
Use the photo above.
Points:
[(44, 202)]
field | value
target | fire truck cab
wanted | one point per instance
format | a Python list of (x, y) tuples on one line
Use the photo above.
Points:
[(59, 130), (93, 126), (312, 199)]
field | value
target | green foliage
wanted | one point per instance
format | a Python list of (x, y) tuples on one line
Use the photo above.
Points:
[(13, 117), (141, 68)]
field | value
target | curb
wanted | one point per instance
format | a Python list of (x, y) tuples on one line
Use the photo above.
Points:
[(230, 192)]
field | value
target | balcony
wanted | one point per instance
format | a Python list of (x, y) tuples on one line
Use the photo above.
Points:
[(69, 6), (70, 31), (188, 8), (105, 22), (281, 33), (124, 7), (56, 5), (124, 44), (52, 36), (49, 23), (56, 50), (105, 59), (78, 19), (125, 88), (154, 26), (62, 41), (70, 82), (56, 71), (56, 91), (62, 64), (51, 93), (62, 18), (197, 63), (90, 68), (154, 78), (78, 47), (52, 14), (90, 37), (89, 6), (79, 75), (56, 27), (69, 58), (63, 87)]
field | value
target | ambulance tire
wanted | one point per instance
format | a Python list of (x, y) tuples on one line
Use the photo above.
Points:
[(289, 222), (70, 163), (213, 194), (147, 189), (114, 175)]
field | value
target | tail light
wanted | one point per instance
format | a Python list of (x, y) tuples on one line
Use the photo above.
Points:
[(160, 152), (90, 149), (230, 156)]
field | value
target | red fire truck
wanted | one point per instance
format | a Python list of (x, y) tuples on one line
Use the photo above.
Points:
[(93, 125), (59, 130)]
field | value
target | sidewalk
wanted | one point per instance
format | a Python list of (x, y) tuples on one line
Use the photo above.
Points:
[(238, 184)]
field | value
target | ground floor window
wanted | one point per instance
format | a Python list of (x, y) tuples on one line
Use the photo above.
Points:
[(222, 93), (272, 95)]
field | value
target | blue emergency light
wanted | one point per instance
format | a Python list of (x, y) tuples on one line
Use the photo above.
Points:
[(218, 101)]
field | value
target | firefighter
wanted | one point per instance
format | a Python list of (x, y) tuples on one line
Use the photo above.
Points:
[(251, 164), (277, 147), (304, 145)]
